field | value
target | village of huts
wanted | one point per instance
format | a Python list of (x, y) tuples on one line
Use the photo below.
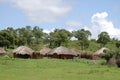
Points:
[(58, 52), (61, 52)]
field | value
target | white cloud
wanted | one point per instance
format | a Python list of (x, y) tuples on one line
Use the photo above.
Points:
[(100, 23), (48, 31), (42, 10)]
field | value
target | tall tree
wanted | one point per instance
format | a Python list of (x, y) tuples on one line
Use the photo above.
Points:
[(46, 38), (13, 33), (26, 33), (117, 44), (37, 33), (83, 37), (6, 39), (59, 37), (103, 38)]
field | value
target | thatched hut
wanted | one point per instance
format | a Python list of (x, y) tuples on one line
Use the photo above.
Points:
[(44, 51), (2, 51), (22, 52), (98, 53), (62, 53)]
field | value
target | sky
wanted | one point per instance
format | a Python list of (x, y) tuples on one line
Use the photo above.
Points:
[(94, 15)]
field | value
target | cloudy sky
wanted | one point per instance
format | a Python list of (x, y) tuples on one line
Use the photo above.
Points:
[(93, 15)]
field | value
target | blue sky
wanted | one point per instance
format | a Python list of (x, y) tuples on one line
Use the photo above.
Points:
[(94, 15)]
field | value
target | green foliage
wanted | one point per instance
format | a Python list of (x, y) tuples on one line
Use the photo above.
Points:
[(118, 44), (6, 39), (33, 36), (74, 44), (83, 36), (27, 33), (93, 46), (103, 38), (21, 41), (36, 47), (46, 38), (38, 33), (110, 54), (22, 36), (59, 37)]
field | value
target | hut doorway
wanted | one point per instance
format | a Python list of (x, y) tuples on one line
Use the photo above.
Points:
[(55, 55), (25, 56)]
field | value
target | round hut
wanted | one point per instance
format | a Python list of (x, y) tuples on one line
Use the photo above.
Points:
[(2, 51), (22, 52), (100, 51), (62, 53), (44, 51), (97, 54)]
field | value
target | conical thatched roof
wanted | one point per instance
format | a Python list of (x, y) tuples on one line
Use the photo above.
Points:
[(62, 50), (2, 51), (23, 50), (101, 51), (44, 50)]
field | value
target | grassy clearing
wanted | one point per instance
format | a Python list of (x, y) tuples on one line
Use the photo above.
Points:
[(54, 69)]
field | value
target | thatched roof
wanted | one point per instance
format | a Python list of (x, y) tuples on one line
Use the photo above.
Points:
[(62, 50), (44, 50), (76, 51), (101, 51), (23, 50), (2, 51)]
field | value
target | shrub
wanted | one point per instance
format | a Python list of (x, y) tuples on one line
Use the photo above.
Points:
[(107, 56), (112, 58)]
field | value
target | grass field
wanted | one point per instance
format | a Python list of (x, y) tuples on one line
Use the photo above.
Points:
[(55, 69)]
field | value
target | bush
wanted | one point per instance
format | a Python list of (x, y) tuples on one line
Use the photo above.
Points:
[(107, 56), (112, 58)]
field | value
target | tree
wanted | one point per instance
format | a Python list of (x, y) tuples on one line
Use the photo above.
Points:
[(118, 44), (13, 33), (26, 33), (103, 38), (59, 37), (46, 38), (83, 37), (37, 33), (21, 41), (6, 39)]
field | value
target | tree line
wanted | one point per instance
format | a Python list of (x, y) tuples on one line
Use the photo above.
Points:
[(11, 38)]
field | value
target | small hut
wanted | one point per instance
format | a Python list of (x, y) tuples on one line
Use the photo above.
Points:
[(97, 54), (62, 53), (100, 51), (2, 51), (44, 51), (23, 52)]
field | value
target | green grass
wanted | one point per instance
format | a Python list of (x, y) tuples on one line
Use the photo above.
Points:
[(55, 69)]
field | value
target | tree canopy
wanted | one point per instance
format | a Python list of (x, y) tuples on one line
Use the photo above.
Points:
[(35, 37), (83, 36), (103, 38), (58, 37)]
